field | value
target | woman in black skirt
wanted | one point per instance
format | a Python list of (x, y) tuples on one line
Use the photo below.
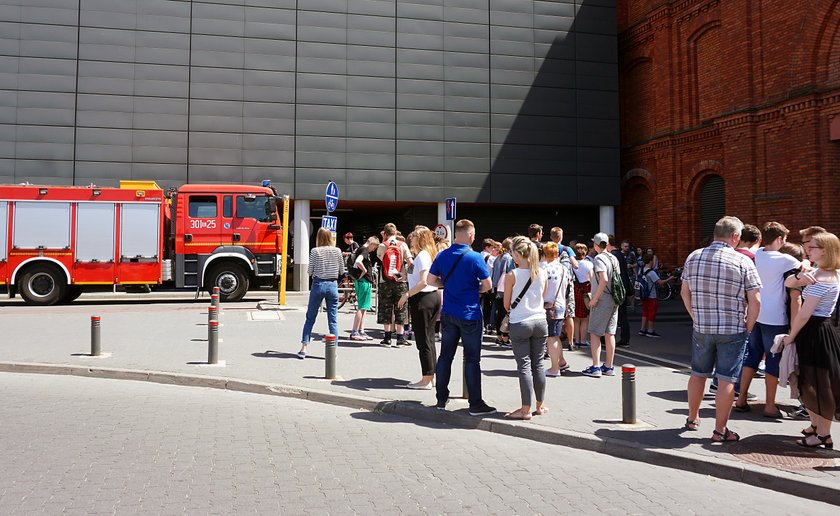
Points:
[(817, 345)]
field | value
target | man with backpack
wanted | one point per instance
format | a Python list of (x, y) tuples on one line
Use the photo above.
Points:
[(361, 270), (645, 290), (608, 294), (395, 256)]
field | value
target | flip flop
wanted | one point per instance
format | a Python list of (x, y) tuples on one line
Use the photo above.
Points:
[(520, 417), (540, 412), (777, 415), (741, 408)]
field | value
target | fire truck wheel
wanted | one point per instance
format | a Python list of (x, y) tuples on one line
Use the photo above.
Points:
[(42, 285), (231, 280)]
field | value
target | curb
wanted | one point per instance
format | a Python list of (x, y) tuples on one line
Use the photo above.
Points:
[(755, 475)]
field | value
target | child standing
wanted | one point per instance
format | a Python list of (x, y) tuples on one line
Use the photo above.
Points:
[(650, 304)]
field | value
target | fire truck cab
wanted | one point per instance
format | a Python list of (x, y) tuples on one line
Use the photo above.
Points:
[(59, 241)]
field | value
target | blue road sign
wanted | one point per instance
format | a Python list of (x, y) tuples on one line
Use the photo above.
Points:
[(450, 208), (331, 197), (329, 222)]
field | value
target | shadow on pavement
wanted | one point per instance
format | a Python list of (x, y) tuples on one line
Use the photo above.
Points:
[(282, 354), (368, 384), (678, 395), (499, 372), (665, 439)]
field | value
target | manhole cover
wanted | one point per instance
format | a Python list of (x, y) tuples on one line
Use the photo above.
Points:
[(781, 453)]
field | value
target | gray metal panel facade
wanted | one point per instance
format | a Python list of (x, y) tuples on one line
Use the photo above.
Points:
[(502, 101)]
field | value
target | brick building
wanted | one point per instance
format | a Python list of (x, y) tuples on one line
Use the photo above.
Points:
[(727, 107)]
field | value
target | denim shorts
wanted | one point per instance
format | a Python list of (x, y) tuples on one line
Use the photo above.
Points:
[(721, 354), (759, 344), (555, 327)]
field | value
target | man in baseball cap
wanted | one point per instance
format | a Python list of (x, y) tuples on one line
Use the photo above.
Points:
[(603, 315)]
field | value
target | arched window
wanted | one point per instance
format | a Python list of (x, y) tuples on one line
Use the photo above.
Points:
[(712, 205)]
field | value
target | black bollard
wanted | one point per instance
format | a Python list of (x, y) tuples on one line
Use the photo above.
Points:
[(628, 393), (213, 342), (95, 336), (329, 357)]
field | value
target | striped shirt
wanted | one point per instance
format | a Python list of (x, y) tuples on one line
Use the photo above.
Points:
[(719, 279), (326, 262), (827, 292)]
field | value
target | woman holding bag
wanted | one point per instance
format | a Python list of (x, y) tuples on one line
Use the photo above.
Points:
[(423, 303), (523, 298), (558, 295)]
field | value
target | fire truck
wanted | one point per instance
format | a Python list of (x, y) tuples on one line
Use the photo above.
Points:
[(57, 242)]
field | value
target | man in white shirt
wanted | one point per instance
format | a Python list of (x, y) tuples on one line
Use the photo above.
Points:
[(772, 318)]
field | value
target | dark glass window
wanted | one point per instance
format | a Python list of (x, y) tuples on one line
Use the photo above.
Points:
[(227, 206), (203, 206), (251, 207)]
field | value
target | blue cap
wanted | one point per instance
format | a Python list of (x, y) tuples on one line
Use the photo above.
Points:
[(266, 183)]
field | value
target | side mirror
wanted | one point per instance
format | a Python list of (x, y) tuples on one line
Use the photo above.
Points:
[(271, 209)]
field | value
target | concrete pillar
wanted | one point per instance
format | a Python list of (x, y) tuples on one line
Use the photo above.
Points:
[(302, 229), (606, 219), (441, 218)]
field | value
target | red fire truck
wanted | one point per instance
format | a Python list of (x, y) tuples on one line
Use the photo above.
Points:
[(59, 241)]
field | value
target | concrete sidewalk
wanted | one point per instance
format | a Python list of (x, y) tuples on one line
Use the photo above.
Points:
[(259, 345)]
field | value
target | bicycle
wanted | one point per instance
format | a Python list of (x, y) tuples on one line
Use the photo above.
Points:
[(346, 292), (670, 289)]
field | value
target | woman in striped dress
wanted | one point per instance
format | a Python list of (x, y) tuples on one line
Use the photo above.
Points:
[(326, 265), (817, 345)]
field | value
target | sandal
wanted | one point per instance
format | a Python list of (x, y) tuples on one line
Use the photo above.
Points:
[(741, 408), (727, 436), (518, 415), (808, 432), (692, 425), (822, 441)]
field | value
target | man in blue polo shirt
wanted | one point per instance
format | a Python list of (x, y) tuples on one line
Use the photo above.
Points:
[(464, 275)]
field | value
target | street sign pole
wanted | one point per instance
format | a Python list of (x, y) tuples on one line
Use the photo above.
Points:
[(281, 290)]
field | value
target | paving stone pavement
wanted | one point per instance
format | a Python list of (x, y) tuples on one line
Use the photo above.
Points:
[(96, 446), (260, 345)]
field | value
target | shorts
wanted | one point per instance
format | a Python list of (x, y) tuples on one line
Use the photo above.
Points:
[(721, 354), (758, 346), (603, 318), (362, 294), (649, 308), (389, 295), (555, 327)]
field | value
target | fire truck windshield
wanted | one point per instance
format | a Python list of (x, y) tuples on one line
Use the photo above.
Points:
[(252, 207)]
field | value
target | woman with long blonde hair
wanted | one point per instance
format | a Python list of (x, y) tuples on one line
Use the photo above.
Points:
[(326, 265), (423, 303), (523, 298)]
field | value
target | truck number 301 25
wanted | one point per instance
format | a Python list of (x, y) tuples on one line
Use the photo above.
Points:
[(202, 224)]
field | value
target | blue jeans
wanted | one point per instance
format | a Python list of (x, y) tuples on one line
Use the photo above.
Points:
[(759, 344), (452, 330), (718, 355), (321, 289)]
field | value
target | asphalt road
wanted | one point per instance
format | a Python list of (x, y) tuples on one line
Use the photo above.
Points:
[(91, 446)]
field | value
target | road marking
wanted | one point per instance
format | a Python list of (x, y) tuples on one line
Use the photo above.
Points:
[(266, 316)]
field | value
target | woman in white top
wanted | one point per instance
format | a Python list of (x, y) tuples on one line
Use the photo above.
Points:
[(817, 344), (423, 302), (558, 296), (583, 289), (524, 293)]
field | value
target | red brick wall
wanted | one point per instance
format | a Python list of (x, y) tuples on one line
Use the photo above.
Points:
[(744, 90)]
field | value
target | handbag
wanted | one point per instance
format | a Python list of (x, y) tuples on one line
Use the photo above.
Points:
[(550, 309)]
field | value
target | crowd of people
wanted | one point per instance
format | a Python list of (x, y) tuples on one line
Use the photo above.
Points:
[(750, 306)]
